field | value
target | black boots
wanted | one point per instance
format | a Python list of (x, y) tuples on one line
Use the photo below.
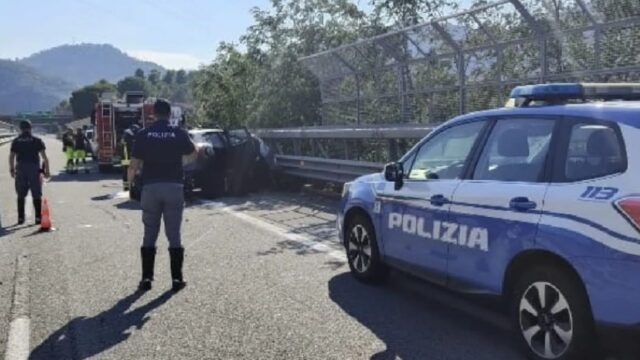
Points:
[(148, 259), (20, 211), (148, 256), (177, 258), (37, 206)]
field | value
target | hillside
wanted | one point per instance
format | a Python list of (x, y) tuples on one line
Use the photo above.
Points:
[(86, 63), (22, 88)]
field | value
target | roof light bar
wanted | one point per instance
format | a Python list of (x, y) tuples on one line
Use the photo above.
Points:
[(577, 91)]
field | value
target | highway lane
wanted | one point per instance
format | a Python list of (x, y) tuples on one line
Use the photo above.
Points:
[(256, 289)]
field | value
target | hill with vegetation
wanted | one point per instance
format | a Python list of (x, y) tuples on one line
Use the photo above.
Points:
[(23, 88), (85, 64)]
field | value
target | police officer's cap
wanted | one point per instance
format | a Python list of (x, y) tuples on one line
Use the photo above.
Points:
[(25, 125)]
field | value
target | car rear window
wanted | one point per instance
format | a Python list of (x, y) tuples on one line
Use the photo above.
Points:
[(595, 150)]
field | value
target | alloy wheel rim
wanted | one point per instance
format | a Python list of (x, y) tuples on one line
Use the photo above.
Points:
[(359, 248), (546, 321)]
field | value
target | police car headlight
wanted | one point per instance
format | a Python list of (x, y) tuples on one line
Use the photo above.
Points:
[(345, 189)]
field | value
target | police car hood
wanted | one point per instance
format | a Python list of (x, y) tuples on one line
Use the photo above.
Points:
[(371, 178)]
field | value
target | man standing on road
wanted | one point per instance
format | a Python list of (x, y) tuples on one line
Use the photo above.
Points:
[(26, 151), (68, 146), (80, 152), (158, 152)]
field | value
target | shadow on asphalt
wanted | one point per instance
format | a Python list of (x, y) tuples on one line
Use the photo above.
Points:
[(418, 326), (129, 205), (11, 229), (84, 337), (92, 176)]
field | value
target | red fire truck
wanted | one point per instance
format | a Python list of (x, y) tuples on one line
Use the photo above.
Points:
[(112, 117)]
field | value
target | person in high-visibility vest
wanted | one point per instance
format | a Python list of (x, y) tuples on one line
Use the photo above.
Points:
[(68, 145), (80, 150), (126, 144)]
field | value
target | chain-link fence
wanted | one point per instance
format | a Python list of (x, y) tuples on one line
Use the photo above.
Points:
[(469, 61)]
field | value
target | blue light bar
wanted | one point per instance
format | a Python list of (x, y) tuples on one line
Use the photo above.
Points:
[(577, 91), (548, 91)]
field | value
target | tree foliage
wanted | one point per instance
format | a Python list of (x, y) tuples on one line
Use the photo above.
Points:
[(134, 83), (266, 85), (261, 82), (83, 100)]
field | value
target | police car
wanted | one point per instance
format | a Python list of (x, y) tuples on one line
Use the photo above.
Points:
[(538, 203)]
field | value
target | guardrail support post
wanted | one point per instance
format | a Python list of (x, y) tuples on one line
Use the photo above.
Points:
[(394, 150)]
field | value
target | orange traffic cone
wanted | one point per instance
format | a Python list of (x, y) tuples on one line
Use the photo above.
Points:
[(45, 219)]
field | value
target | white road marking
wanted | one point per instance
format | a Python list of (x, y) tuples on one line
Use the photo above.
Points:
[(19, 328), (302, 239), (18, 342)]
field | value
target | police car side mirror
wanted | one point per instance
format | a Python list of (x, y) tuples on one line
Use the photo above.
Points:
[(393, 173)]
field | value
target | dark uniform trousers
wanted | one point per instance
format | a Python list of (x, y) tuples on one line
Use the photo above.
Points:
[(162, 201), (28, 179)]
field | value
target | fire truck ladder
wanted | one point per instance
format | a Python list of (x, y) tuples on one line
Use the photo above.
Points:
[(107, 131)]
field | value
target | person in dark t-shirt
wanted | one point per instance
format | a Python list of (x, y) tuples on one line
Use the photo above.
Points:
[(80, 148), (24, 164), (158, 153)]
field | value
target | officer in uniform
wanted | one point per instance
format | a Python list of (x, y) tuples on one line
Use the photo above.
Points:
[(24, 164), (158, 152)]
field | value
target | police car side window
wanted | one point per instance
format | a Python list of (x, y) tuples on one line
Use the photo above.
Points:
[(444, 155), (516, 151), (595, 150)]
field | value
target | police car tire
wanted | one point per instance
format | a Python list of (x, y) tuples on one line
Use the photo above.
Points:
[(376, 271), (582, 345)]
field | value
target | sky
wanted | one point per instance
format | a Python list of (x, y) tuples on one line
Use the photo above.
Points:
[(172, 33)]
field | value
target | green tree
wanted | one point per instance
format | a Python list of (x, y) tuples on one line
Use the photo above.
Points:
[(403, 13), (154, 77), (83, 100), (134, 83), (181, 77), (168, 77), (139, 73), (224, 89)]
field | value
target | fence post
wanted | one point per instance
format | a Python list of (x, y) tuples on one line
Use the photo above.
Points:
[(393, 150)]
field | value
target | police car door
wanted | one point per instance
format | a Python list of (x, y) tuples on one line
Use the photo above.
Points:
[(416, 240), (495, 213)]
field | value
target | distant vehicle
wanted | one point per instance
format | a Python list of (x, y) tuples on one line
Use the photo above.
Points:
[(114, 116), (92, 146), (537, 203), (235, 162)]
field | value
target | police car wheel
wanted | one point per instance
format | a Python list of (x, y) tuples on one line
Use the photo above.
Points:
[(362, 251), (552, 315)]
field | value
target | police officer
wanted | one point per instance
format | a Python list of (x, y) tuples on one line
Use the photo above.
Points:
[(24, 164), (157, 152)]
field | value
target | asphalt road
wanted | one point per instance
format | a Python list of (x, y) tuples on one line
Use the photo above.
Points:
[(266, 280)]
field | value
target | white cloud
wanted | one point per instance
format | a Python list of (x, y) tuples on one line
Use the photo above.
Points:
[(168, 60)]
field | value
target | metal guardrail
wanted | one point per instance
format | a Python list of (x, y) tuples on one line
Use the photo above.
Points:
[(414, 131), (332, 170), (327, 168), (6, 137)]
